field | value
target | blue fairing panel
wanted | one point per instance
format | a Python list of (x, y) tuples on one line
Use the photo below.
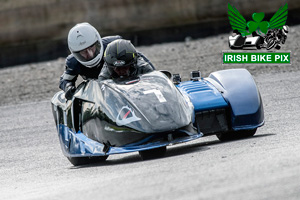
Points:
[(240, 91), (203, 95), (79, 145)]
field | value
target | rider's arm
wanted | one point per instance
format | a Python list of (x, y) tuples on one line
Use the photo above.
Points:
[(108, 39), (147, 68), (69, 77), (146, 59), (143, 66)]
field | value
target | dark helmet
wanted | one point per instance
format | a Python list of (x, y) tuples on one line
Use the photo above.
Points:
[(120, 55), (236, 32)]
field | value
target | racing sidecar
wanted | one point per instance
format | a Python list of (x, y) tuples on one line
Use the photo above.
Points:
[(237, 41), (151, 111)]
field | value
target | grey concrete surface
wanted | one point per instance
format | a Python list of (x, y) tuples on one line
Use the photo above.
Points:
[(36, 30), (265, 166), (26, 21)]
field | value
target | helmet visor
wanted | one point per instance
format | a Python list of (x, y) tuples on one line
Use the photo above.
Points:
[(89, 53), (122, 71), (120, 68)]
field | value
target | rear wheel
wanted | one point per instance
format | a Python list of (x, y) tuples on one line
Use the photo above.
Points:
[(235, 135), (76, 161), (271, 44), (153, 153)]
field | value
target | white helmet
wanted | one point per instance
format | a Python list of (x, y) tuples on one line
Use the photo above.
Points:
[(82, 36), (285, 29)]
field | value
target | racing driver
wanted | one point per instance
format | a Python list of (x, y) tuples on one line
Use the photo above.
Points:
[(123, 61), (86, 47)]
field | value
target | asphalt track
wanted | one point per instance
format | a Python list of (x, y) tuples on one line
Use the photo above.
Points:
[(263, 167), (266, 166)]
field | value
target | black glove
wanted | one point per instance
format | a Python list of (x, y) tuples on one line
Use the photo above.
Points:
[(70, 92)]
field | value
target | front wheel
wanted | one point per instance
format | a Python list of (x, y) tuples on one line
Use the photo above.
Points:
[(235, 135), (153, 153), (76, 161)]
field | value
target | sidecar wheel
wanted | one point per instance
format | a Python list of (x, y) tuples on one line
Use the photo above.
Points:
[(153, 153)]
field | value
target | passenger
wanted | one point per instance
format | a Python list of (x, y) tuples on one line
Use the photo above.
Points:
[(86, 47), (122, 61)]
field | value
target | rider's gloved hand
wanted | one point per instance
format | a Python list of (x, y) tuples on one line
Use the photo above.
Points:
[(70, 92)]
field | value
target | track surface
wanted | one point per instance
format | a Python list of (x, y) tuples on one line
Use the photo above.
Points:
[(265, 166)]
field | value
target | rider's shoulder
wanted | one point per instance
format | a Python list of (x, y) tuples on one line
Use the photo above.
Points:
[(72, 62), (108, 39), (141, 62)]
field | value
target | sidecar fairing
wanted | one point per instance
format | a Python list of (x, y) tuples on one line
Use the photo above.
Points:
[(150, 112), (226, 102), (118, 116), (237, 41)]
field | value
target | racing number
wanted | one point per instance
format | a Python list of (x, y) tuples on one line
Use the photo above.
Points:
[(158, 94)]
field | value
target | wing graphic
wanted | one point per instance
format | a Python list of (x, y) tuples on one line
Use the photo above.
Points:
[(237, 21), (279, 18)]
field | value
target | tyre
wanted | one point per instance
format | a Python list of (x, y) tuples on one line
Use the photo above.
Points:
[(271, 44), (76, 161), (153, 153), (235, 135)]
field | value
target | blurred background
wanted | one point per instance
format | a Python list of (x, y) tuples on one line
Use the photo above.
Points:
[(36, 30)]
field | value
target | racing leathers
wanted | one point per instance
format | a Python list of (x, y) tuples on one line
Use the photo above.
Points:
[(75, 68), (141, 67)]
